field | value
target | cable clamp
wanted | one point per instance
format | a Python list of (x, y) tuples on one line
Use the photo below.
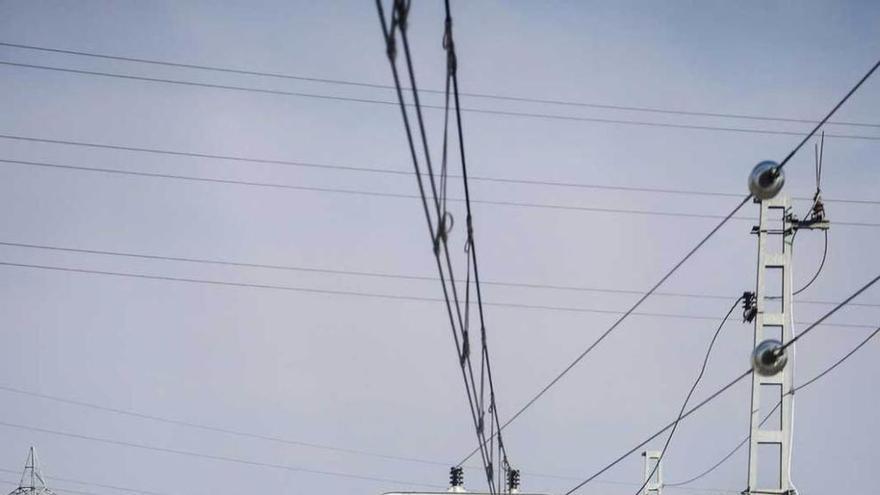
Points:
[(401, 11)]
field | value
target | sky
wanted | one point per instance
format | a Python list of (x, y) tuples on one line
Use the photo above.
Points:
[(358, 386)]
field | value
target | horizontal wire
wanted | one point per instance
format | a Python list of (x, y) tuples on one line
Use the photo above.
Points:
[(360, 192), (150, 417), (216, 429), (490, 96), (382, 275), (53, 489), (809, 382), (390, 171), (742, 130), (396, 297), (840, 305), (213, 457), (85, 483)]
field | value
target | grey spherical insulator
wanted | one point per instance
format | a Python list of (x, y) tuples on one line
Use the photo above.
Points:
[(769, 358), (766, 180)]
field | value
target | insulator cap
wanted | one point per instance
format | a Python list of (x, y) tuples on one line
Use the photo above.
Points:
[(766, 180), (769, 358)]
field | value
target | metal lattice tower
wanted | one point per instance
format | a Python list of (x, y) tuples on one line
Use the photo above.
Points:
[(32, 481), (654, 484)]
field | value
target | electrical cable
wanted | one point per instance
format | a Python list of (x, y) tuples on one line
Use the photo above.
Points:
[(661, 431), (394, 297), (389, 171), (818, 270), (484, 111), (823, 318), (381, 275), (689, 395), (726, 387), (778, 404), (361, 192), (99, 485), (61, 490), (213, 457), (689, 254), (490, 96), (816, 209), (472, 251), (398, 24), (215, 429)]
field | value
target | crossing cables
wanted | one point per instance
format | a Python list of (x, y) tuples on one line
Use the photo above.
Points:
[(727, 387), (686, 257), (440, 224)]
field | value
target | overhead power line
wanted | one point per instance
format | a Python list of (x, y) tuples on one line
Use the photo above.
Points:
[(394, 297), (686, 257), (726, 387), (807, 330), (187, 424), (484, 111), (361, 192), (89, 483), (767, 417), (215, 429), (381, 275), (398, 172), (488, 96), (689, 395), (61, 490), (213, 457)]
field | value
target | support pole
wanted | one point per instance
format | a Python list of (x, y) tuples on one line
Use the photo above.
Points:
[(772, 321), (653, 486)]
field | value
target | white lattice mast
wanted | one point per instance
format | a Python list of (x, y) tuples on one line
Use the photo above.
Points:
[(32, 481), (772, 406), (653, 477), (772, 377)]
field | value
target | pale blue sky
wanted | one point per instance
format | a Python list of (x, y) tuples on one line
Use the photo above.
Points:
[(380, 375)]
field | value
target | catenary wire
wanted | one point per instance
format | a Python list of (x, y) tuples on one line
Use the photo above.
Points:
[(489, 96), (438, 240), (713, 396), (395, 297), (472, 251), (689, 395), (382, 275), (689, 254), (390, 171), (213, 457), (767, 417), (382, 194), (484, 111)]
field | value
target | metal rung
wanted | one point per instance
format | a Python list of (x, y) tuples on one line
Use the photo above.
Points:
[(773, 319), (771, 380), (772, 437), (777, 260)]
